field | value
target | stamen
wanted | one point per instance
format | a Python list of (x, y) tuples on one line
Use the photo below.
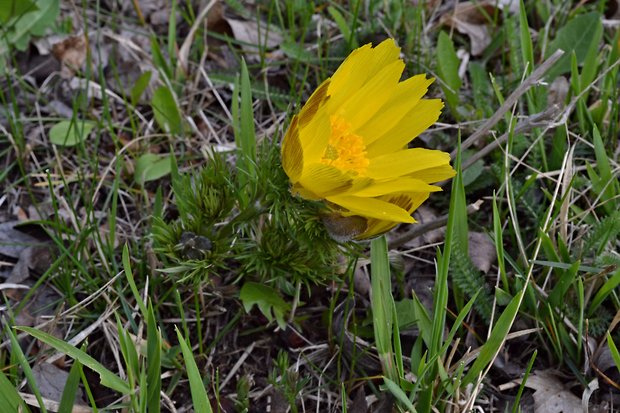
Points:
[(345, 150)]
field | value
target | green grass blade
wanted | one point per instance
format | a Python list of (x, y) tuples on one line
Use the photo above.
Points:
[(613, 349), (496, 339), (399, 394), (515, 406), (71, 386), (382, 304), (153, 358), (200, 399), (448, 71), (9, 397), (132, 282), (21, 358), (108, 379), (604, 291)]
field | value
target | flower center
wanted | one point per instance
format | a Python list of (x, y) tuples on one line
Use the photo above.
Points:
[(345, 150)]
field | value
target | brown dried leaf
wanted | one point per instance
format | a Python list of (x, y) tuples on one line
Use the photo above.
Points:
[(424, 215), (558, 90), (13, 241), (51, 381), (481, 251), (359, 404), (469, 19), (551, 396), (71, 53), (361, 282), (250, 33)]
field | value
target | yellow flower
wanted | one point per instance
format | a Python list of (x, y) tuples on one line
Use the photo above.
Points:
[(348, 144)]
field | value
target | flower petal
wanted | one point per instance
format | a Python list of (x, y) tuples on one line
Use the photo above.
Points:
[(436, 174), (408, 201), (315, 135), (314, 102), (423, 115), (371, 207), (366, 101), (405, 162), (361, 65), (405, 184), (292, 152), (406, 96), (322, 180)]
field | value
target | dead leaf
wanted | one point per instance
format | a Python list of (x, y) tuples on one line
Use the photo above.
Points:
[(424, 215), (558, 90), (71, 53), (51, 381), (250, 34), (361, 281), (604, 364), (481, 251), (37, 258), (359, 404), (470, 19), (51, 405), (551, 396), (13, 241)]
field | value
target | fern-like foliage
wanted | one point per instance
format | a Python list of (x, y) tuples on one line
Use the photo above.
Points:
[(601, 235), (278, 238), (467, 277)]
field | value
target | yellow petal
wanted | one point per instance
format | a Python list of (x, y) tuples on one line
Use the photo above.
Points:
[(406, 96), (324, 180), (423, 115), (436, 174), (364, 103), (395, 185), (375, 227), (409, 202), (292, 152), (405, 162), (315, 135), (361, 65), (311, 107), (371, 208)]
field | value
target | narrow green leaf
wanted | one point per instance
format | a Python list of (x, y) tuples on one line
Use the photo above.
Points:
[(613, 349), (166, 111), (556, 296), (496, 339), (340, 21), (399, 394), (108, 379), (382, 304), (21, 358), (200, 400), (607, 288), (527, 49), (139, 87), (448, 71), (71, 387), (9, 397), (153, 358), (132, 282)]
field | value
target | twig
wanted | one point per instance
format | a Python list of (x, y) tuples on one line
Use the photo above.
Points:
[(421, 229), (523, 126), (511, 100)]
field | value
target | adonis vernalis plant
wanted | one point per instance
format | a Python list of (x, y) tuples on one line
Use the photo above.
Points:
[(349, 143)]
